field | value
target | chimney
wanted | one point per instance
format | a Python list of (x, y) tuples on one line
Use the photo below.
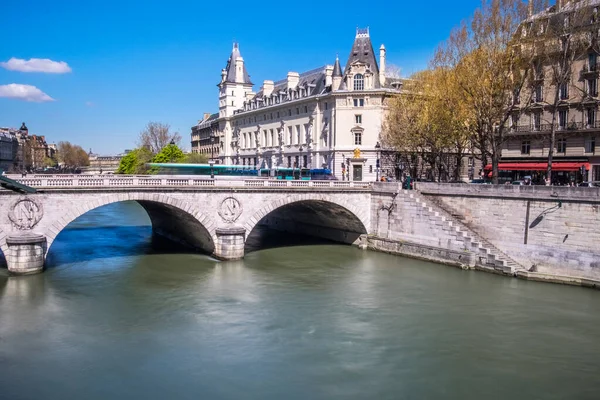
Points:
[(267, 88), (530, 8), (292, 80), (239, 70), (382, 65), (328, 75)]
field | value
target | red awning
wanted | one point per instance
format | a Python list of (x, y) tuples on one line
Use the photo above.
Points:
[(540, 166)]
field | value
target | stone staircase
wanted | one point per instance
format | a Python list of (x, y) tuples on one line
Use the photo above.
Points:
[(489, 257)]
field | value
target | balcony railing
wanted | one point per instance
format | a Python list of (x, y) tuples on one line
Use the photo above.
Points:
[(571, 126), (589, 71)]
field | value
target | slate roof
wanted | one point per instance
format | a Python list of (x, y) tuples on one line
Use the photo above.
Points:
[(337, 70), (362, 51), (314, 77), (231, 70)]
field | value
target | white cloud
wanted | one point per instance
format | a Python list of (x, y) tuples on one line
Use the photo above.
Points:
[(36, 65), (24, 92)]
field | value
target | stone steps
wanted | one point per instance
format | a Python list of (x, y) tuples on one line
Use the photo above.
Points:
[(489, 256)]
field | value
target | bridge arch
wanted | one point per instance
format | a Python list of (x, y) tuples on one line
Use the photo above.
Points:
[(315, 214), (170, 217)]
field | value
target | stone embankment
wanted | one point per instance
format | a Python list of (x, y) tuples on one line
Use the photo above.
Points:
[(538, 233)]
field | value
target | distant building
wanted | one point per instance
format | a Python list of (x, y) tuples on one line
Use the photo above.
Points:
[(104, 164), (205, 138), (9, 145), (327, 117)]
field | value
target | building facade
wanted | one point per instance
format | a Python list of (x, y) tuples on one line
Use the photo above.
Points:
[(576, 153), (327, 117), (205, 138)]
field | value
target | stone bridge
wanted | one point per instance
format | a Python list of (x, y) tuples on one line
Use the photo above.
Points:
[(532, 232), (213, 216)]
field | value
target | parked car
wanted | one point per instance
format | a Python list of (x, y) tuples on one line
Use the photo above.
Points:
[(481, 182), (518, 182), (590, 184)]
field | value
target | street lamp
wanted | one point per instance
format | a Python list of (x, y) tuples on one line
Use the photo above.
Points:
[(377, 147), (212, 171)]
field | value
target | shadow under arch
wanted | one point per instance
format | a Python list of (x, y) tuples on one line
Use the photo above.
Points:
[(168, 219), (308, 221)]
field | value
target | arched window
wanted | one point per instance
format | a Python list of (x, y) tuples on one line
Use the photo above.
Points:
[(359, 82)]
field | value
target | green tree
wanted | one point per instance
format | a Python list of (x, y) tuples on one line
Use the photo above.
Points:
[(169, 154), (195, 158), (135, 162)]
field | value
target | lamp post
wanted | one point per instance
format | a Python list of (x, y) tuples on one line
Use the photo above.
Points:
[(377, 147), (212, 171)]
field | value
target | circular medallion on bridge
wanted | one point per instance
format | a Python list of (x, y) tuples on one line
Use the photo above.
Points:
[(26, 213), (230, 209)]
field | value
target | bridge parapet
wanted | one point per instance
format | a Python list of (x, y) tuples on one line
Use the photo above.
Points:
[(94, 181)]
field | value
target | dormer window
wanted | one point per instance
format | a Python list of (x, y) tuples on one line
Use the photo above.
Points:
[(359, 82)]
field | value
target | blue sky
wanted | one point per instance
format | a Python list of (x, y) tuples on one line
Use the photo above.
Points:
[(132, 62)]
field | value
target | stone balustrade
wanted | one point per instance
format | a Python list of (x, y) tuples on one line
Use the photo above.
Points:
[(118, 181)]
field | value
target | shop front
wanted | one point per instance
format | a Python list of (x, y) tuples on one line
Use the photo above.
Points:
[(563, 172)]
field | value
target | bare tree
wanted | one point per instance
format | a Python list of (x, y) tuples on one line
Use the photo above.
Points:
[(491, 71), (157, 135)]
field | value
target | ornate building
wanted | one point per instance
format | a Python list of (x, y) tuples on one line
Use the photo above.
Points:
[(327, 117)]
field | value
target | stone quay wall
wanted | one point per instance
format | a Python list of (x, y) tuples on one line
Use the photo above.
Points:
[(550, 231)]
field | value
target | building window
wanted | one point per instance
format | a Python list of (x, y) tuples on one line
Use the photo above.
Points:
[(592, 87), (277, 114), (562, 119), (272, 138), (516, 96), (590, 144), (592, 61), (297, 111), (255, 161), (591, 118), (358, 138), (359, 102), (304, 160), (358, 119), (290, 135), (326, 106), (290, 112), (297, 162), (359, 82), (564, 91), (561, 145), (265, 139), (537, 121), (289, 161), (243, 161), (538, 94), (525, 147), (305, 109)]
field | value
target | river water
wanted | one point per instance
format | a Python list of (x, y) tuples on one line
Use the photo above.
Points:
[(113, 319)]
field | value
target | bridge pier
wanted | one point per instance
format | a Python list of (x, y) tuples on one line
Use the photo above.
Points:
[(230, 243), (26, 253)]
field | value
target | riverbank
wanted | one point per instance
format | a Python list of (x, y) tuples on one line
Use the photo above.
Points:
[(465, 260)]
